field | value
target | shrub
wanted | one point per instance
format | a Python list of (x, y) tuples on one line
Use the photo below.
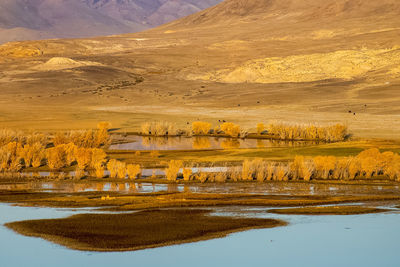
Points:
[(99, 171), (260, 128), (201, 128), (230, 129), (38, 155), (70, 151), (307, 170), (133, 171), (32, 154), (121, 170), (102, 137), (59, 139), (113, 168), (173, 168), (159, 128), (333, 133), (220, 177), (281, 173), (97, 157), (187, 173), (83, 157), (56, 157), (97, 161), (247, 173), (296, 167), (324, 165)]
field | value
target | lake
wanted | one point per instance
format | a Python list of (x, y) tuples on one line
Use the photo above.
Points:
[(360, 240)]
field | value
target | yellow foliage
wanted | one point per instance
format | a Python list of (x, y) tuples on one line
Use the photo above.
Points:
[(201, 128), (159, 128), (98, 157), (56, 157), (333, 133), (246, 170), (99, 171), (324, 165), (87, 138), (260, 128), (70, 150), (133, 171), (121, 170), (173, 168), (281, 173), (230, 129), (187, 173), (116, 168), (83, 157)]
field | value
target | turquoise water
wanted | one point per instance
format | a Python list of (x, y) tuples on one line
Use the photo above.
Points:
[(361, 240)]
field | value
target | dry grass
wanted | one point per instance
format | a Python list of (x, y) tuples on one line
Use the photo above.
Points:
[(109, 232)]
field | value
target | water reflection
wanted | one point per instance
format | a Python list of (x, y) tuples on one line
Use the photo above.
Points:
[(269, 188), (361, 240), (139, 143)]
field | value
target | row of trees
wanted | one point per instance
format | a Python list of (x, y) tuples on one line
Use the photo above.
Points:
[(121, 170), (87, 138), (18, 151), (14, 156), (159, 128), (366, 165), (9, 136), (332, 133)]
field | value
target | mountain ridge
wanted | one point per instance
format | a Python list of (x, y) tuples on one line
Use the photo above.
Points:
[(41, 19)]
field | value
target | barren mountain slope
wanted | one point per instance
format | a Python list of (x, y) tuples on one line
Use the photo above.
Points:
[(39, 19), (292, 60)]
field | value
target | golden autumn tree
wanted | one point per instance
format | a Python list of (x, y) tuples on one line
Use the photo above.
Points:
[(56, 157), (83, 157), (97, 161), (173, 169), (324, 165), (187, 173), (201, 128), (112, 167), (133, 171), (230, 129)]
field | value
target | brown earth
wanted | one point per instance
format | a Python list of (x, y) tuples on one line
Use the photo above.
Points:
[(243, 60), (134, 231)]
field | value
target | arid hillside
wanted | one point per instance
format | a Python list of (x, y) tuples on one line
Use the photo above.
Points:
[(44, 19), (247, 61)]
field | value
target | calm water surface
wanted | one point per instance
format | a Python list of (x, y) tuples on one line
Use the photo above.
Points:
[(362, 240), (200, 142)]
